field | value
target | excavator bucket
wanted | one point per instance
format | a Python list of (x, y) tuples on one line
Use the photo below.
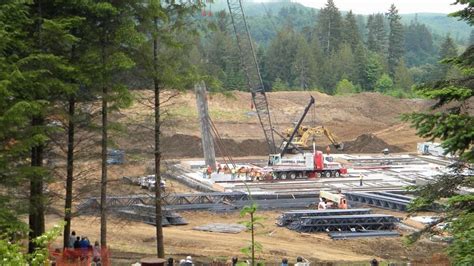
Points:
[(339, 146)]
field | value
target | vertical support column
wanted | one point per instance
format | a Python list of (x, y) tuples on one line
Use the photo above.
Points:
[(206, 137)]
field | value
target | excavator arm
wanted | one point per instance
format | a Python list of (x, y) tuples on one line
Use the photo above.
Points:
[(305, 134), (337, 144)]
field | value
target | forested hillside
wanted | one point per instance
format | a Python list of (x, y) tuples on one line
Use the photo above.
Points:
[(301, 48)]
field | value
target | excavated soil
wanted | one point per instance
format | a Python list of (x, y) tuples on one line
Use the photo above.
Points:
[(369, 143), (365, 122), (186, 146)]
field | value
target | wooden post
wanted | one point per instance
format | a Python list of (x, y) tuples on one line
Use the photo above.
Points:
[(206, 137)]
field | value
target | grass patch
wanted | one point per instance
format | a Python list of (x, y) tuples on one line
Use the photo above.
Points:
[(189, 113)]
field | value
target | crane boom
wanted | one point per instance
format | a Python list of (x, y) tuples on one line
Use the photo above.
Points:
[(252, 73), (285, 149)]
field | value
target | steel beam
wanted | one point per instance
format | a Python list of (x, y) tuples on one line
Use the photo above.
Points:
[(385, 202), (288, 217), (344, 223), (346, 235)]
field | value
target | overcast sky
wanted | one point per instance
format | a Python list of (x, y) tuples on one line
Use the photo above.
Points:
[(374, 6)]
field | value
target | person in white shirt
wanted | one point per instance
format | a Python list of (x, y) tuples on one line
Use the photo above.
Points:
[(72, 239), (322, 204)]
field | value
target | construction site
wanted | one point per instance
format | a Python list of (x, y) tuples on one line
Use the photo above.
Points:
[(329, 175), (325, 199)]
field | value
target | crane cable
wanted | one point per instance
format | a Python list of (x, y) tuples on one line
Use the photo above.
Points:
[(220, 143)]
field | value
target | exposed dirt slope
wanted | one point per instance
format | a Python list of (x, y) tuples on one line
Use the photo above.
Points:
[(347, 116)]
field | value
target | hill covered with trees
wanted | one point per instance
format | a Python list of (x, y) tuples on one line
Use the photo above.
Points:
[(301, 48)]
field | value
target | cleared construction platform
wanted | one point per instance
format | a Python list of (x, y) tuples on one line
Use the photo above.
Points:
[(380, 173)]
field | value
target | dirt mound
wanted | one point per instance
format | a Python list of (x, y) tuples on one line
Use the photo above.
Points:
[(186, 146), (347, 116), (369, 143), (180, 145)]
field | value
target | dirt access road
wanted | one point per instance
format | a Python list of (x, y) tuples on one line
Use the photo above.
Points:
[(131, 240)]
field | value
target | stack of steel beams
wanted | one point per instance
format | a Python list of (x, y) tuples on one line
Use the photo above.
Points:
[(383, 200), (203, 198), (140, 217), (344, 223), (291, 216), (146, 214), (201, 201)]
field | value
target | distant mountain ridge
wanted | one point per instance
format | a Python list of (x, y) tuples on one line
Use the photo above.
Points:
[(439, 23)]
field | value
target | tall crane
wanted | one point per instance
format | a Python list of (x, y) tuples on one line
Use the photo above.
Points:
[(249, 64)]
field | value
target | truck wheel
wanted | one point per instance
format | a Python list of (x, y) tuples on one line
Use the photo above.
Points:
[(318, 175), (293, 175), (327, 174), (283, 175), (337, 174)]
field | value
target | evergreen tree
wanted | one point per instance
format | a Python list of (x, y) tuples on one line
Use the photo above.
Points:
[(111, 34), (329, 27), (221, 55), (373, 71), (360, 60), (15, 144), (304, 65), (164, 57), (403, 79), (35, 51), (418, 45), (345, 87), (452, 122), (350, 32), (318, 57), (281, 56), (362, 27), (345, 64), (395, 40), (448, 50), (377, 34), (384, 84)]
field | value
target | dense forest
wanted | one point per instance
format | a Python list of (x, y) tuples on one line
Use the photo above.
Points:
[(300, 48)]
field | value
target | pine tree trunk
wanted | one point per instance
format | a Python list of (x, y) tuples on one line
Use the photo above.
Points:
[(36, 211), (36, 207), (70, 171), (160, 250), (103, 181)]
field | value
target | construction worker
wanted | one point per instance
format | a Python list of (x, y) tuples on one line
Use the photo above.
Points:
[(209, 171), (219, 168), (258, 176), (360, 179), (232, 172), (328, 150), (322, 204)]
